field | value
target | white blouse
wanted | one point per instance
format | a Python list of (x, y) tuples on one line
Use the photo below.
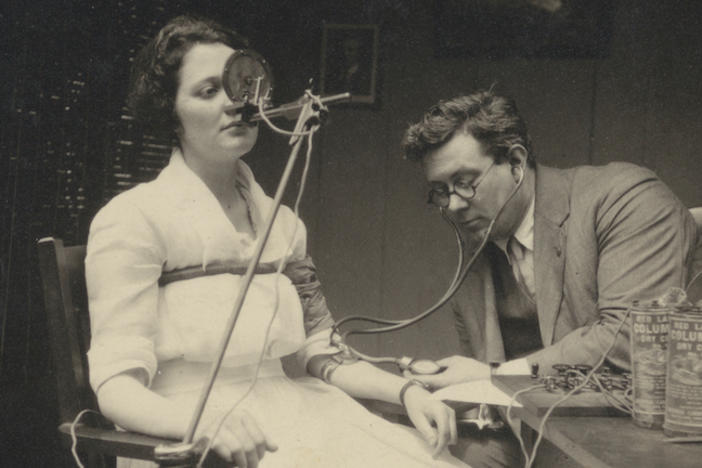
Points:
[(175, 222)]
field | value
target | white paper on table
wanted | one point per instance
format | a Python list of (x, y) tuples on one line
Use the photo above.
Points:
[(476, 391)]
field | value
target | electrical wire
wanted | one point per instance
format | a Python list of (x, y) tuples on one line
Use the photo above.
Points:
[(508, 413), (306, 119), (74, 437), (279, 130), (694, 278), (542, 424), (278, 272), (614, 400), (303, 182)]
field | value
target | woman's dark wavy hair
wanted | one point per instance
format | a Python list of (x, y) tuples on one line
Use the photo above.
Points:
[(491, 119), (154, 79)]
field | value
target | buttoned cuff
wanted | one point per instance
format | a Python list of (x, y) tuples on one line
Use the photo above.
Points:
[(514, 367)]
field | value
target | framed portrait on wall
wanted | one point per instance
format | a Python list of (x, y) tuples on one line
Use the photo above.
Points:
[(349, 61)]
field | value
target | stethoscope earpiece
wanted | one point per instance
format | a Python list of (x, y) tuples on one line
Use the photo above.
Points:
[(519, 168)]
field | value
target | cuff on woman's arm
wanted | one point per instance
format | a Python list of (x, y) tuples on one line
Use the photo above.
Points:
[(319, 343)]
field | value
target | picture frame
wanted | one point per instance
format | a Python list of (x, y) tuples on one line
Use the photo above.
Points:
[(349, 62)]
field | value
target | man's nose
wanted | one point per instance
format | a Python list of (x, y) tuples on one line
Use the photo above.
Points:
[(457, 203)]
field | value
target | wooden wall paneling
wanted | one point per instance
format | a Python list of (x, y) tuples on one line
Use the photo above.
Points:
[(350, 220), (623, 84), (419, 256), (673, 126), (555, 99), (578, 111)]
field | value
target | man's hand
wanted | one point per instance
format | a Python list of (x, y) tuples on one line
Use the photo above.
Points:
[(458, 369), (433, 419)]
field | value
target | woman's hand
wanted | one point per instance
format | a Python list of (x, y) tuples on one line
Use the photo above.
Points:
[(432, 418), (458, 369), (240, 440), (129, 404)]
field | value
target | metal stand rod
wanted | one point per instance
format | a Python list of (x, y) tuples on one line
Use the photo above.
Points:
[(305, 114), (290, 110)]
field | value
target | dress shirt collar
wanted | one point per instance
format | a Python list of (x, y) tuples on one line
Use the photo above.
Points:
[(524, 233)]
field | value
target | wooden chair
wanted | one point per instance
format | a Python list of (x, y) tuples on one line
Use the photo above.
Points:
[(65, 299), (66, 303)]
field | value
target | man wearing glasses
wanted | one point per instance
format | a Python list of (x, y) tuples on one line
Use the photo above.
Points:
[(568, 251)]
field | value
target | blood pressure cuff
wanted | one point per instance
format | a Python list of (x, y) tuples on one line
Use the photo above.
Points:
[(303, 275)]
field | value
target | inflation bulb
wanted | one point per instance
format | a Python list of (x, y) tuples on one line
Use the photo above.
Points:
[(419, 366)]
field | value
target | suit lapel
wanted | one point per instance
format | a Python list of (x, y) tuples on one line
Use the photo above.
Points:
[(550, 213)]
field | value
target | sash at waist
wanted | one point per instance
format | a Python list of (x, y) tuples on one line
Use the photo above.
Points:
[(212, 269), (179, 376)]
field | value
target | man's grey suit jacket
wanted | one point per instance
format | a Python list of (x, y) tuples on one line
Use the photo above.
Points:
[(604, 236)]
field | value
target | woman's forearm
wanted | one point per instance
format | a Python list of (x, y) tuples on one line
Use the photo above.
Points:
[(363, 380), (130, 405)]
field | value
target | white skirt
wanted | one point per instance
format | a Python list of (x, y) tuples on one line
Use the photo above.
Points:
[(313, 423)]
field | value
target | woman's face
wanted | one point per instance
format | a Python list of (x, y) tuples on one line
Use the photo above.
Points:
[(209, 130)]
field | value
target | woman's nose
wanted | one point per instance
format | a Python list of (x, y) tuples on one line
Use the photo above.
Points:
[(230, 107)]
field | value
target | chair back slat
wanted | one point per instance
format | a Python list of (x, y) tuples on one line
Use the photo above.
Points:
[(65, 300)]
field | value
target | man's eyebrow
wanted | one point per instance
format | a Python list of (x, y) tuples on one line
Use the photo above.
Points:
[(460, 173), (471, 172)]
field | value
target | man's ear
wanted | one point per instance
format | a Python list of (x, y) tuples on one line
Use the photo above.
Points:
[(517, 158), (517, 155)]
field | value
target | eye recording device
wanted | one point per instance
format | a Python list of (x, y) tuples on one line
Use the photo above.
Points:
[(248, 78)]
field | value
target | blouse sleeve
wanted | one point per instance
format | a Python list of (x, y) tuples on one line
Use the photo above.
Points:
[(122, 265)]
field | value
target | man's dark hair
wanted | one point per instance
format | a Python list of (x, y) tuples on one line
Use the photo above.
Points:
[(491, 119), (154, 80)]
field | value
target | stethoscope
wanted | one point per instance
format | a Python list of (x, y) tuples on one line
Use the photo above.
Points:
[(247, 79), (240, 85), (413, 365)]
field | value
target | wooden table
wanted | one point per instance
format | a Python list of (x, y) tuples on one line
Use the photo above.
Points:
[(599, 440)]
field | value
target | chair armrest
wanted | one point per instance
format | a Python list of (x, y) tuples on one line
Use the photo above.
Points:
[(112, 442), (116, 443)]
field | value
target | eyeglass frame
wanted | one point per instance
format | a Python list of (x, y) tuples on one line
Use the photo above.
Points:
[(472, 186)]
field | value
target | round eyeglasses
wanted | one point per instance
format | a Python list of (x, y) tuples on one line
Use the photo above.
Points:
[(441, 195)]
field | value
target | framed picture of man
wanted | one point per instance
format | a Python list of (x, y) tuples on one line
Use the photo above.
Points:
[(349, 61)]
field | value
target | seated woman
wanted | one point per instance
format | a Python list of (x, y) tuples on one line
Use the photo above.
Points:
[(152, 346)]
